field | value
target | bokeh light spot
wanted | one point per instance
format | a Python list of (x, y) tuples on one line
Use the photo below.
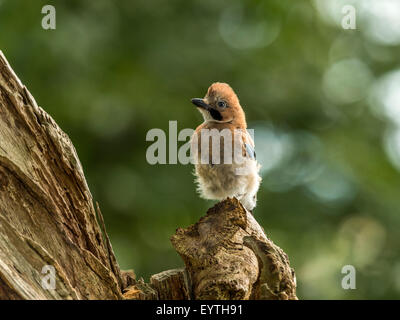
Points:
[(346, 81)]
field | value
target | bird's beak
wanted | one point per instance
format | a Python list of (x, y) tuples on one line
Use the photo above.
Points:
[(201, 104)]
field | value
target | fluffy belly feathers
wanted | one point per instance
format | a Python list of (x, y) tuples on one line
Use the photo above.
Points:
[(219, 181)]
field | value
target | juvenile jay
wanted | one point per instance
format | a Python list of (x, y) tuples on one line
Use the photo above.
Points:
[(223, 150)]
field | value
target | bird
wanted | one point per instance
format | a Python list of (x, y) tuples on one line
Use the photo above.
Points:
[(222, 149)]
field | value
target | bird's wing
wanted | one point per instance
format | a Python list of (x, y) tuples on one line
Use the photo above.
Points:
[(248, 145), (250, 152)]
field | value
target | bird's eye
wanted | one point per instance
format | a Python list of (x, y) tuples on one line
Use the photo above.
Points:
[(221, 104)]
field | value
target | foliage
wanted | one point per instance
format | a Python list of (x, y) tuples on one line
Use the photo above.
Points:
[(319, 97)]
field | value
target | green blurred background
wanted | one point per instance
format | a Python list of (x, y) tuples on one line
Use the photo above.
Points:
[(324, 103)]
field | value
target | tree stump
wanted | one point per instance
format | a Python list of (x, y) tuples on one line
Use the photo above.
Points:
[(228, 256)]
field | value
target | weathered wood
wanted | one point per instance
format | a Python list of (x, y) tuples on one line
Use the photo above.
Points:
[(140, 291), (128, 278), (277, 280), (228, 256), (47, 215), (171, 285)]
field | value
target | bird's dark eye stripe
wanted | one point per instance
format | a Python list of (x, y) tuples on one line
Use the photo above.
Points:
[(215, 114)]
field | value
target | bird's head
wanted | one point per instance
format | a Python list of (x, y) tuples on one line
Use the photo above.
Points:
[(221, 104)]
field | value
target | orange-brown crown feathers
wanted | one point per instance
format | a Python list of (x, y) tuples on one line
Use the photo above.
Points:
[(222, 91)]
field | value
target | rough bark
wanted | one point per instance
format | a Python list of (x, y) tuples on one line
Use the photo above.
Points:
[(228, 256), (47, 217), (171, 285)]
